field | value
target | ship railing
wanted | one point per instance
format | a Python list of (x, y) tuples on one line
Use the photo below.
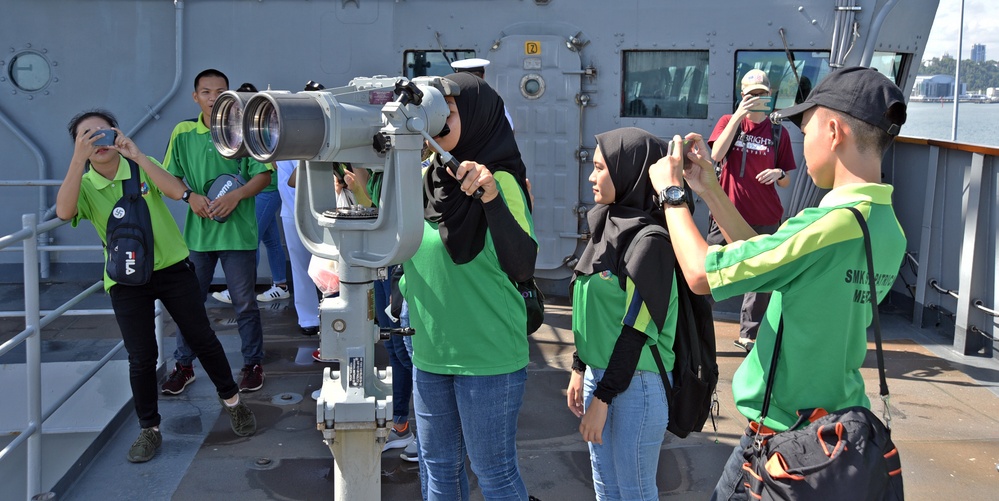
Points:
[(947, 197), (34, 322)]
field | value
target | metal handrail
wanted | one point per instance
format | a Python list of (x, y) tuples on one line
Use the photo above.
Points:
[(31, 337), (933, 283), (978, 303)]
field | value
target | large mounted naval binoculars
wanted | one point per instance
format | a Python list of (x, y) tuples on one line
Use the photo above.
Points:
[(381, 124)]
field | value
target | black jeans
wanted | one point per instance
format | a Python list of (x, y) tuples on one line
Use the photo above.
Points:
[(134, 309)]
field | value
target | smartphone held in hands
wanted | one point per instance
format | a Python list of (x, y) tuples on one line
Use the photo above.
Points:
[(764, 104), (687, 146), (107, 140)]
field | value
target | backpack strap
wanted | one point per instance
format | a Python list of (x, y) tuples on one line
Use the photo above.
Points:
[(642, 233), (131, 185), (775, 132)]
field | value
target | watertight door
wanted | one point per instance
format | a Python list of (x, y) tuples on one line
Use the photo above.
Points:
[(539, 78)]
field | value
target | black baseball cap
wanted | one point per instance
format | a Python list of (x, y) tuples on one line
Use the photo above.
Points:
[(863, 93)]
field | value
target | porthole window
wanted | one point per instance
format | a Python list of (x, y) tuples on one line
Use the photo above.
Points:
[(29, 71), (532, 86)]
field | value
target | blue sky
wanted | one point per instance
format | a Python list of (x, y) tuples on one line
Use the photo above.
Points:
[(981, 26)]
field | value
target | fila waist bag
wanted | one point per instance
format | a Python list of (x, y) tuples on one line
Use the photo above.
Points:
[(130, 236)]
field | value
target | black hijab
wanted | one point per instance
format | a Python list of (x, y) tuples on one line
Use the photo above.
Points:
[(486, 138), (628, 153)]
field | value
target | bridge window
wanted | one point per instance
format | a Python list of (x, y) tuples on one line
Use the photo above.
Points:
[(786, 88), (421, 63), (668, 84), (891, 64), (811, 67)]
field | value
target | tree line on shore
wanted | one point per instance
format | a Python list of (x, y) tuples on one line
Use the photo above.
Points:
[(977, 76)]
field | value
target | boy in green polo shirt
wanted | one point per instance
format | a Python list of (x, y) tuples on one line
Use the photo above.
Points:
[(92, 194), (192, 157), (810, 263)]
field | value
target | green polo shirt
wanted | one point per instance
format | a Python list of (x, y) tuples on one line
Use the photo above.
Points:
[(600, 307), (816, 266), (98, 195), (469, 318), (192, 157)]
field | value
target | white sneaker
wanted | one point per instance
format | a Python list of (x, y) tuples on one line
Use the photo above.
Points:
[(222, 296), (274, 293)]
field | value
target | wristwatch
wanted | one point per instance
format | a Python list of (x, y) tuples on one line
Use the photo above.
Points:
[(674, 196), (782, 175), (186, 196)]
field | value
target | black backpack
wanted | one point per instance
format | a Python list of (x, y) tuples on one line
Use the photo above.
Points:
[(692, 396), (130, 235)]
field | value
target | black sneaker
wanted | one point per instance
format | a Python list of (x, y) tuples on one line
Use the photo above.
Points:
[(178, 379), (251, 378), (309, 331), (144, 447), (241, 418)]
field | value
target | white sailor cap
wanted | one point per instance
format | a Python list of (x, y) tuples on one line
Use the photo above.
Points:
[(471, 64)]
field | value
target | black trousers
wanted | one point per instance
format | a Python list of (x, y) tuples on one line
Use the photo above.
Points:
[(134, 309)]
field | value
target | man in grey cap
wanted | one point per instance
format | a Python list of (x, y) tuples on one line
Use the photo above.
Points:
[(477, 67), (815, 264)]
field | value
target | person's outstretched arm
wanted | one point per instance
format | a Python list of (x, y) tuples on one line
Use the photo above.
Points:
[(170, 185), (688, 244)]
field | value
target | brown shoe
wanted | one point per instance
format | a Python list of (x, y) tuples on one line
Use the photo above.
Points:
[(251, 378)]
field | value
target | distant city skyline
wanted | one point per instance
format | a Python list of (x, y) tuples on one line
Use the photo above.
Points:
[(981, 18)]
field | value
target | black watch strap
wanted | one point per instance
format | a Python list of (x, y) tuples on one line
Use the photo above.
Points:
[(186, 196)]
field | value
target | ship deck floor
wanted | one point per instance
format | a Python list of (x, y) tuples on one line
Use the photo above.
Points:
[(945, 409)]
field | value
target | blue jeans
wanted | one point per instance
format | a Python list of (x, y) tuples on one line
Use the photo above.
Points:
[(730, 485), (473, 415), (402, 364), (624, 467), (408, 342), (402, 378), (268, 205), (240, 277)]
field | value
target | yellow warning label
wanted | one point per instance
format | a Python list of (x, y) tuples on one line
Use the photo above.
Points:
[(532, 48)]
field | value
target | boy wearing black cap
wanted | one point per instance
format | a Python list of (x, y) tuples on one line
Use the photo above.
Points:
[(813, 263)]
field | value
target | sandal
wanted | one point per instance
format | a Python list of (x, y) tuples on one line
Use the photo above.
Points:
[(746, 344)]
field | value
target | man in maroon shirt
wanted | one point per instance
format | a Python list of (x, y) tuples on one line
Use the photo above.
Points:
[(754, 162)]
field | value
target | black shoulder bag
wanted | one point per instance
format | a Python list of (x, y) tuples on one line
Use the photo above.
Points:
[(846, 454), (129, 235)]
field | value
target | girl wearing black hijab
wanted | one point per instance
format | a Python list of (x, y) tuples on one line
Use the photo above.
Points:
[(619, 307), (470, 348)]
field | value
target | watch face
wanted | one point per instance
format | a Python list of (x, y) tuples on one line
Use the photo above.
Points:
[(675, 196)]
